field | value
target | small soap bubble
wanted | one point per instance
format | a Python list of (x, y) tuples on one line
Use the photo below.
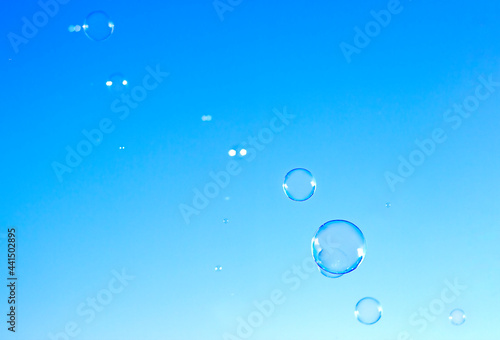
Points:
[(232, 152), (225, 221), (368, 311), (218, 268), (243, 152), (338, 247), (206, 118), (98, 26), (71, 28), (457, 317), (388, 205), (299, 184), (78, 28), (117, 84)]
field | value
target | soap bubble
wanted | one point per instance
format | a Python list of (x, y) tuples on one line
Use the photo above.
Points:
[(225, 221), (338, 247), (232, 152), (368, 311), (98, 26), (457, 317), (117, 84), (299, 184)]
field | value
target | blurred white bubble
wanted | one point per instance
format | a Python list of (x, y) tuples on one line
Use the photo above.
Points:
[(232, 152), (243, 152)]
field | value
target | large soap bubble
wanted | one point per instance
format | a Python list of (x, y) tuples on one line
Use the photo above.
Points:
[(338, 247)]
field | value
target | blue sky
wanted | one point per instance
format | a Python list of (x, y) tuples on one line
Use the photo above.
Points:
[(117, 213)]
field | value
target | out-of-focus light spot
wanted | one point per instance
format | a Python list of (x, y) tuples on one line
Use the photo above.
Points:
[(124, 82), (243, 152), (78, 28), (71, 28), (206, 118), (388, 205), (109, 83), (232, 152), (121, 148)]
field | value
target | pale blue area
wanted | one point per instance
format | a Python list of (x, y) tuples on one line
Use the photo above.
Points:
[(119, 208)]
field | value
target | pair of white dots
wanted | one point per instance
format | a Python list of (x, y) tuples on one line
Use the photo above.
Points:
[(232, 152), (109, 83)]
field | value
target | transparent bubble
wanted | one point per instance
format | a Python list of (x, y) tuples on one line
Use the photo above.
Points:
[(368, 311), (71, 28), (206, 118), (225, 221), (299, 184), (98, 26), (232, 152), (329, 275), (218, 268), (338, 247), (117, 84), (457, 317), (243, 152), (388, 205)]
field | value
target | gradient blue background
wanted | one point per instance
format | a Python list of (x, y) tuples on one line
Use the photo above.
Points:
[(120, 208)]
